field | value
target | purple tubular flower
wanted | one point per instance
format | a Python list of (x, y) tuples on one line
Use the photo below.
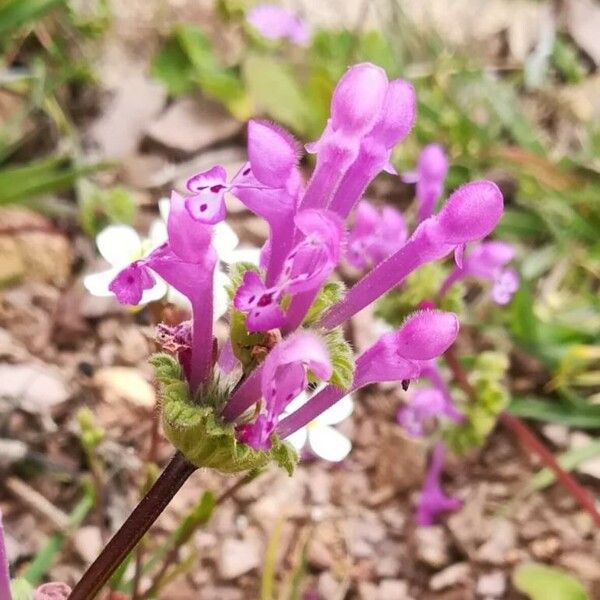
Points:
[(270, 185), (432, 372), (433, 501), (424, 404), (395, 121), (306, 268), (4, 573), (260, 303), (396, 356), (376, 235), (470, 214), (284, 376), (355, 108), (186, 262), (432, 168), (129, 284), (488, 260), (276, 23), (312, 260), (207, 204)]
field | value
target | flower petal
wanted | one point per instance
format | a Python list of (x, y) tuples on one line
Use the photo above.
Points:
[(119, 244), (98, 283), (225, 241), (298, 438), (328, 443), (337, 413)]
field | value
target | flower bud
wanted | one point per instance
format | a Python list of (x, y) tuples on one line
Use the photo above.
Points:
[(272, 151), (433, 163), (471, 212), (358, 98), (426, 334), (398, 113)]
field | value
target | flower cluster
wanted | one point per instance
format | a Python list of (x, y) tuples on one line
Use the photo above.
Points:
[(286, 315)]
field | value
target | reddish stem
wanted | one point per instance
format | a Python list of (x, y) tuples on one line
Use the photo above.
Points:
[(531, 441), (137, 524)]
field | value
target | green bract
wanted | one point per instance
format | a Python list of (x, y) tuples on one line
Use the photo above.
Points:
[(194, 426)]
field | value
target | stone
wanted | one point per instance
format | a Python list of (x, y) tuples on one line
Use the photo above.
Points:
[(456, 574), (188, 125), (87, 541), (125, 383), (492, 584), (237, 557), (582, 564), (502, 540), (432, 546), (35, 387)]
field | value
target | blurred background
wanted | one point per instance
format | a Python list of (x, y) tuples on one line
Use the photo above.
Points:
[(105, 106)]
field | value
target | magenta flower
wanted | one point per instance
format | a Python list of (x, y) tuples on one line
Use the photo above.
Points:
[(433, 501), (356, 107), (395, 121), (424, 405), (376, 235), (284, 376), (270, 185), (187, 262), (307, 238), (206, 204), (488, 261), (470, 214), (306, 268), (260, 303), (276, 23), (52, 591), (397, 356), (432, 168)]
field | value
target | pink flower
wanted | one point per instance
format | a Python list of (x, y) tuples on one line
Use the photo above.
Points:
[(434, 501), (284, 376), (276, 22), (396, 356), (488, 261), (432, 168), (376, 235)]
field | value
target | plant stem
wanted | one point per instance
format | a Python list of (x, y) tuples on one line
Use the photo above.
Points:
[(529, 440), (173, 554), (137, 524)]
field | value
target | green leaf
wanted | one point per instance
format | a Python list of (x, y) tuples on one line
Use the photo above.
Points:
[(25, 182), (541, 582), (18, 13), (568, 461), (342, 358), (99, 208), (44, 559), (274, 90), (573, 414), (330, 294)]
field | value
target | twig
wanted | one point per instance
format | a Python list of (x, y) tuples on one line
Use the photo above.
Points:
[(38, 503), (175, 474), (530, 441)]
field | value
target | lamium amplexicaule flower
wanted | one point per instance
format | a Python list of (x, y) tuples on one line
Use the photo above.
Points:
[(226, 405)]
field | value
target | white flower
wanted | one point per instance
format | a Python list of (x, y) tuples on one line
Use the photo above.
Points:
[(120, 245), (324, 441)]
